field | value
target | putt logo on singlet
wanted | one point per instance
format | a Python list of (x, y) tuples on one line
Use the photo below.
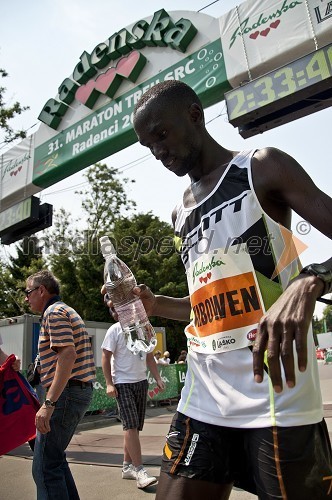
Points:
[(192, 448), (196, 238)]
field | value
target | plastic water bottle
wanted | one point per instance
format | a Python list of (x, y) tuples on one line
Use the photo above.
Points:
[(119, 282)]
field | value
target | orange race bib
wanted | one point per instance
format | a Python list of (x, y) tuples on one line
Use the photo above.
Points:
[(226, 301)]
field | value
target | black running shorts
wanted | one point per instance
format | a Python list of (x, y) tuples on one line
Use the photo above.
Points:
[(276, 462)]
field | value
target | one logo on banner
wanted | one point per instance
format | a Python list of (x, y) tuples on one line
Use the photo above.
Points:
[(252, 335), (107, 83)]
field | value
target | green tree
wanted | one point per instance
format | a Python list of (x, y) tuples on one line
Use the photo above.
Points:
[(28, 260), (105, 199), (317, 326), (8, 305), (327, 318), (28, 251), (7, 112), (62, 246)]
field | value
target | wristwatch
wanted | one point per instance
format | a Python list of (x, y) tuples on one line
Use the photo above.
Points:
[(48, 403), (321, 272)]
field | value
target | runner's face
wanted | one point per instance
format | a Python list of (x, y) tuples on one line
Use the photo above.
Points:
[(171, 135)]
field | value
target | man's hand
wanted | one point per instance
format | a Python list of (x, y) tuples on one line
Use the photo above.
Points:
[(108, 303), (288, 319), (142, 291), (111, 391), (147, 297), (42, 420), (161, 384), (17, 365)]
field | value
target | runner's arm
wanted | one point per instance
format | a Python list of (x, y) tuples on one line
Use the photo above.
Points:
[(164, 306), (281, 182)]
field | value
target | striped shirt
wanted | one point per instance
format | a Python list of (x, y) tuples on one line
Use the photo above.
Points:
[(61, 326)]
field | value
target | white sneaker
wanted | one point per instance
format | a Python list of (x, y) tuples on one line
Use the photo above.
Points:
[(143, 480), (129, 472)]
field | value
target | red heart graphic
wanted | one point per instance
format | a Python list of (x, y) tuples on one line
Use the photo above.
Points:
[(254, 35), (205, 279), (124, 68), (265, 32), (151, 394), (105, 81), (109, 82), (15, 172), (275, 24), (209, 275), (11, 173), (126, 64), (156, 390), (87, 94), (200, 279), (19, 168)]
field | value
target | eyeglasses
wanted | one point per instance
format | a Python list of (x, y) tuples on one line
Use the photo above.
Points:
[(28, 291)]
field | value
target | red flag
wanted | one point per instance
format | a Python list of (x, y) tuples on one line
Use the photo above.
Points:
[(18, 408)]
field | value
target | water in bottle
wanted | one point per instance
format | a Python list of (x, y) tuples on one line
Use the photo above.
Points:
[(119, 282)]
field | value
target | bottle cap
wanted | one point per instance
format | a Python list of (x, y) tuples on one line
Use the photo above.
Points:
[(106, 246)]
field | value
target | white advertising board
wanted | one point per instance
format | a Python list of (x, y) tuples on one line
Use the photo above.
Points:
[(258, 37)]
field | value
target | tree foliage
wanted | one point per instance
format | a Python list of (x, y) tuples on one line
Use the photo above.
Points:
[(8, 305), (105, 199), (28, 260), (317, 326), (7, 113), (327, 318)]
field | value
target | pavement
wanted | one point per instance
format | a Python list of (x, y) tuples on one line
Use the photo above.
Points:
[(96, 451)]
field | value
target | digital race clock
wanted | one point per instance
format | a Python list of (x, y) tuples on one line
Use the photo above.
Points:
[(23, 219), (19, 214), (299, 80)]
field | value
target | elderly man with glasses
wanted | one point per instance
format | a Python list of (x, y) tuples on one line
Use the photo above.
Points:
[(67, 372)]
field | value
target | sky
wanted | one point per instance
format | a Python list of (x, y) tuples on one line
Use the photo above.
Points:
[(40, 43)]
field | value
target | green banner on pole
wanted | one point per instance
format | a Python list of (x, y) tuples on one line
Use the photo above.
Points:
[(172, 375)]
